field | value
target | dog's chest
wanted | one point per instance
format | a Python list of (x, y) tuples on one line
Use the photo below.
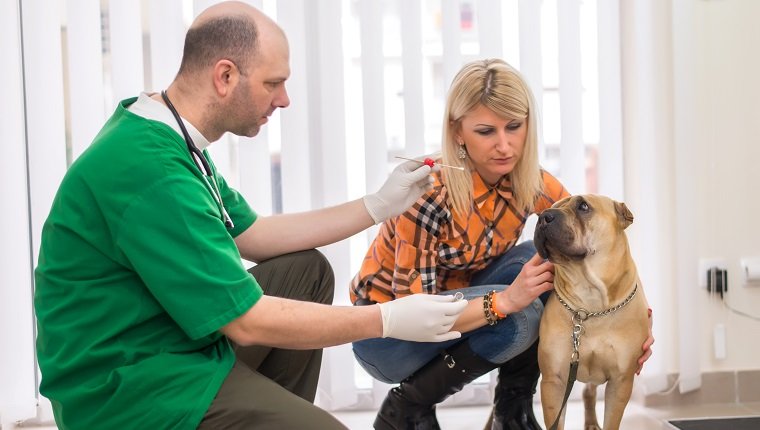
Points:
[(607, 349)]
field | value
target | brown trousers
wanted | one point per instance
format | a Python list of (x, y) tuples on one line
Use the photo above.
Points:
[(272, 388)]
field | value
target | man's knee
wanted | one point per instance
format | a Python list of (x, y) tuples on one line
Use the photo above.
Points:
[(316, 259), (303, 275), (324, 278)]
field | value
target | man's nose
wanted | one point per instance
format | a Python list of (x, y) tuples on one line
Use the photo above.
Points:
[(282, 100)]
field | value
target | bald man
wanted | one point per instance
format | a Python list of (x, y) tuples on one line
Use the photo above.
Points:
[(147, 317)]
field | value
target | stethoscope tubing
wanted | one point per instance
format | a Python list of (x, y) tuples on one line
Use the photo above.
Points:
[(200, 161)]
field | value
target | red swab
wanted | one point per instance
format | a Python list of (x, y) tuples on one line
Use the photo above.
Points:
[(430, 162)]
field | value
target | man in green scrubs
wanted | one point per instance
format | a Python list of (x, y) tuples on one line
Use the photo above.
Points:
[(147, 317)]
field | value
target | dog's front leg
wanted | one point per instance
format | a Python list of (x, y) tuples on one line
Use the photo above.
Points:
[(616, 396), (589, 407), (552, 394)]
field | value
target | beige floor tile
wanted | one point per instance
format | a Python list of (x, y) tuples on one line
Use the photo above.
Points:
[(636, 416), (471, 418)]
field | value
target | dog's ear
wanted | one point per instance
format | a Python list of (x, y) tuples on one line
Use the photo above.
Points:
[(625, 217)]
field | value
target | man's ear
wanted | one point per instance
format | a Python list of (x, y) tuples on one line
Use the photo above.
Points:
[(625, 217), (225, 76)]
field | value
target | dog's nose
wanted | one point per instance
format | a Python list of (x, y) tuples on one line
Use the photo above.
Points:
[(546, 217)]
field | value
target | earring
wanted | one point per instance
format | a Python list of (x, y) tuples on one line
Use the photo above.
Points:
[(461, 152)]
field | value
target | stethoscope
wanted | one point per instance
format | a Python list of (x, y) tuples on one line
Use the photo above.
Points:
[(201, 162)]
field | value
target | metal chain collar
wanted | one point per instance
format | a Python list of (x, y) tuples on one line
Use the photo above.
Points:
[(581, 315)]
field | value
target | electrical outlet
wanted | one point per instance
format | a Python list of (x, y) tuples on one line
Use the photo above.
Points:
[(750, 271), (704, 266)]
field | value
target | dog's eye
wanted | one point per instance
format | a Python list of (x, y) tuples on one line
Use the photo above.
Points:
[(583, 206)]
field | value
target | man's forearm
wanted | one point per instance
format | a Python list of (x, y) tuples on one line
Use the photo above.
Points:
[(284, 323), (281, 234)]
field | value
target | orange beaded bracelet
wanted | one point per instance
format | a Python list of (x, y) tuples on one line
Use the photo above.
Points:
[(495, 311)]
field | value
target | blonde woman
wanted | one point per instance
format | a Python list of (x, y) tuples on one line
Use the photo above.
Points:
[(463, 237)]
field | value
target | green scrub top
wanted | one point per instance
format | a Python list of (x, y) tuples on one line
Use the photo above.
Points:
[(136, 275)]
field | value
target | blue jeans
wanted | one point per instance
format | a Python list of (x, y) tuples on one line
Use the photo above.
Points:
[(392, 360)]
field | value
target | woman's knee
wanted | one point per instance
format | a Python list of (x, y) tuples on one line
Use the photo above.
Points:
[(510, 337), (393, 360), (533, 314)]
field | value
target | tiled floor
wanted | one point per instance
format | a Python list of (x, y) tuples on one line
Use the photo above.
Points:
[(636, 417)]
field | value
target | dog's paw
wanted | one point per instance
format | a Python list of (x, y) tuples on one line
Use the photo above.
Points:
[(592, 427)]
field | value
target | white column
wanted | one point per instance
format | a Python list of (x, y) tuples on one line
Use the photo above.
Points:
[(330, 173), (330, 126), (126, 36), (373, 92), (610, 103), (490, 28), (328, 105), (451, 35), (529, 12), (85, 73), (685, 102), (647, 97), (410, 15), (572, 148), (510, 32), (295, 152), (167, 37), (46, 134), (17, 373), (255, 170)]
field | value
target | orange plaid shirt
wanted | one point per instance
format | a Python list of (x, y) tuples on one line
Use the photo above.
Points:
[(430, 248)]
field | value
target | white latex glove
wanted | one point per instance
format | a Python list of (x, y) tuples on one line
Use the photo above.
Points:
[(407, 182), (422, 317)]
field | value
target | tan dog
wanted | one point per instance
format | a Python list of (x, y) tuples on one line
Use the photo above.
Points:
[(599, 295)]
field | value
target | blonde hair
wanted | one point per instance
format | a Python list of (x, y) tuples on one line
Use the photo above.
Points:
[(499, 87)]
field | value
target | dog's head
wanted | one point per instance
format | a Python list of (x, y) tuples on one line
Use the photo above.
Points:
[(581, 226)]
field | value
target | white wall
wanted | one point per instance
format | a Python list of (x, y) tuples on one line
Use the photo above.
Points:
[(691, 111), (17, 382), (727, 147), (647, 142)]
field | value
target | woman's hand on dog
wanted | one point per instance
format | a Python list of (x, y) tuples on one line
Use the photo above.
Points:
[(647, 347), (535, 278)]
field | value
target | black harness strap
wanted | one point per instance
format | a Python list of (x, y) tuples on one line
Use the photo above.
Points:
[(570, 381)]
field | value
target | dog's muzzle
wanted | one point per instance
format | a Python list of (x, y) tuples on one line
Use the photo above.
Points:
[(555, 238), (540, 236)]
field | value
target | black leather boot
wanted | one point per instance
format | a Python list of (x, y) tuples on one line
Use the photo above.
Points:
[(513, 400), (411, 405)]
